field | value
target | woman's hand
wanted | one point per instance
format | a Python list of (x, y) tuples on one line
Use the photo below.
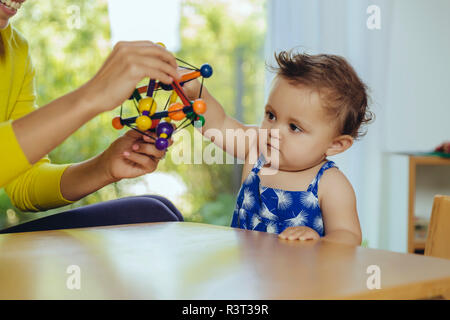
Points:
[(128, 63), (130, 156), (299, 233)]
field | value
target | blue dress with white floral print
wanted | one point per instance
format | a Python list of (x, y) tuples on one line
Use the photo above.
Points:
[(272, 210)]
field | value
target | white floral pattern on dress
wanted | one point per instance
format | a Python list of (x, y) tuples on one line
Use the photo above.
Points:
[(309, 200), (318, 224), (265, 213), (271, 228), (249, 201), (299, 220), (284, 199)]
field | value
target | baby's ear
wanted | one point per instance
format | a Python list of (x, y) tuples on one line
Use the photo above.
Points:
[(339, 145)]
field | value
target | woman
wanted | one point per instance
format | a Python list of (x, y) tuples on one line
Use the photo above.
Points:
[(27, 134)]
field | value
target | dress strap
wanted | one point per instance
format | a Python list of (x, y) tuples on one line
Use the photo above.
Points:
[(314, 186), (259, 164)]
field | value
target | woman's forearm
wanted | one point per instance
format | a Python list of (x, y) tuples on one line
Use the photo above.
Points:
[(82, 179), (41, 131)]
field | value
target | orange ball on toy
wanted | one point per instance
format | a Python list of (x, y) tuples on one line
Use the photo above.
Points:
[(176, 111), (199, 106), (116, 123)]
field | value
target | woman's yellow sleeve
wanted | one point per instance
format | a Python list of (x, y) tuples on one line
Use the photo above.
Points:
[(30, 187), (38, 189)]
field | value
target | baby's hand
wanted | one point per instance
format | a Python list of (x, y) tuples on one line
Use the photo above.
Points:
[(299, 233), (190, 88)]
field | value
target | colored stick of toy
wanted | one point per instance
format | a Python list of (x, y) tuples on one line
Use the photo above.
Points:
[(181, 94), (151, 87)]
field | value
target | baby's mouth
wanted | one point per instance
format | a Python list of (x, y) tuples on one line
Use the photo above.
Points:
[(13, 5)]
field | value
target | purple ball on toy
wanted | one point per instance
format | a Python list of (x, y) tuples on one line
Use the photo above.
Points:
[(164, 127), (161, 143)]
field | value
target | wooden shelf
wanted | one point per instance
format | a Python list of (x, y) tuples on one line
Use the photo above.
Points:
[(433, 161), (414, 241), (419, 243), (423, 158)]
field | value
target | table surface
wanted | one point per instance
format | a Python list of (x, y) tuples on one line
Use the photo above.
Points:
[(181, 260)]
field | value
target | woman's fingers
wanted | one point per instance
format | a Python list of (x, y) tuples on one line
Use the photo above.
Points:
[(148, 149), (148, 48), (149, 56), (152, 140), (128, 63), (151, 66), (123, 47), (148, 139), (148, 164)]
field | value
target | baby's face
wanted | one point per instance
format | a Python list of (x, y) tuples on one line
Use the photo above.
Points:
[(305, 132)]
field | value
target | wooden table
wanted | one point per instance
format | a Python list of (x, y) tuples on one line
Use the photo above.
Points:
[(180, 260)]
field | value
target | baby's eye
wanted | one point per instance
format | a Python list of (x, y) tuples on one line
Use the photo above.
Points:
[(295, 128), (270, 115)]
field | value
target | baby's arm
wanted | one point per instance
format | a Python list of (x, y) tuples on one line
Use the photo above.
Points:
[(235, 142), (338, 203)]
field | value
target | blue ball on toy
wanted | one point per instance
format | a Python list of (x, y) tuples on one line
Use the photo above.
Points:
[(206, 70)]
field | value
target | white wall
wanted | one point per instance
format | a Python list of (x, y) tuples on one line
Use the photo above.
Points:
[(419, 75), (417, 109)]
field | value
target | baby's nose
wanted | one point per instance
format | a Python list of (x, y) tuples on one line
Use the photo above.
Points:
[(274, 133), (275, 138)]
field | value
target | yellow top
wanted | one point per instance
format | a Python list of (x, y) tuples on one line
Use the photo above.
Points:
[(30, 187)]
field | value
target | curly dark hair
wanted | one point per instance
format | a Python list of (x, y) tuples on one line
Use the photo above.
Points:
[(343, 93)]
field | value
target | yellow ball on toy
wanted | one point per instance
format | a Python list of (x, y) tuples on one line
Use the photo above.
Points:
[(143, 123), (147, 104)]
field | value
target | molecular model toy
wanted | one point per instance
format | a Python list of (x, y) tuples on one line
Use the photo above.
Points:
[(162, 122)]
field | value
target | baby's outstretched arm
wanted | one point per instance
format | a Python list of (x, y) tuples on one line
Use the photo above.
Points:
[(338, 203), (226, 132)]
